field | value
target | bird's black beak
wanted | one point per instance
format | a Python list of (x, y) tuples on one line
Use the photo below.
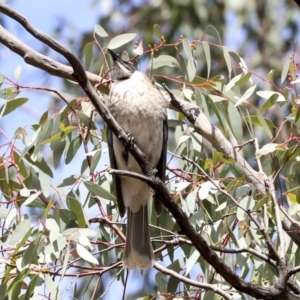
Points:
[(115, 56)]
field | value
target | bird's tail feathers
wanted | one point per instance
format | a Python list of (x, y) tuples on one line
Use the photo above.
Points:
[(138, 249)]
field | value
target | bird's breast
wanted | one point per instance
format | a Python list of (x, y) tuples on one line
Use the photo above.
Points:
[(140, 110)]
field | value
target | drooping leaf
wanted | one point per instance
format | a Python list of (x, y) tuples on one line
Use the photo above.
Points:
[(52, 287), (191, 67), (247, 94), (73, 148), (76, 207), (285, 70), (227, 60), (88, 52), (207, 56)]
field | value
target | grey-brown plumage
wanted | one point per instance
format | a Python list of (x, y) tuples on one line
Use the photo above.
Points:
[(140, 109)]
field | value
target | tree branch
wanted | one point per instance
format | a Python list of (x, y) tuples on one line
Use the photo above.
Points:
[(186, 280), (195, 115)]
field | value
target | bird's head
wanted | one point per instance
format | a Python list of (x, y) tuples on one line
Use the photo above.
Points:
[(124, 69)]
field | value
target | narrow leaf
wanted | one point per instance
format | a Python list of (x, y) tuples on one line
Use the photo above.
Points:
[(285, 70), (88, 52), (207, 56), (227, 60), (247, 94)]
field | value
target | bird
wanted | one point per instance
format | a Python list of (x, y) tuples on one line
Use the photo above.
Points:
[(140, 109)]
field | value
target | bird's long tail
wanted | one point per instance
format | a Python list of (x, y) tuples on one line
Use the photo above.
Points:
[(138, 249)]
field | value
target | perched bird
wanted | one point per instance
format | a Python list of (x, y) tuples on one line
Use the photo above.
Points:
[(140, 109)]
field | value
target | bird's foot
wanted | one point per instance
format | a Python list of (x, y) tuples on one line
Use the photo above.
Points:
[(125, 150)]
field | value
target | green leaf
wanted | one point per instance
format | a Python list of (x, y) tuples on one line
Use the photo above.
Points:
[(44, 134), (76, 207), (207, 56), (227, 60), (2, 77), (191, 68), (31, 198), (247, 94), (163, 61), (58, 148), (52, 287), (157, 31), (269, 94), (20, 231), (86, 255), (235, 56), (39, 164), (17, 72), (11, 105), (9, 93), (73, 148), (69, 181), (270, 75), (64, 131), (100, 31), (182, 65), (235, 122), (244, 79), (270, 102), (253, 120), (88, 52), (121, 40), (285, 69), (266, 149), (95, 160), (297, 114), (263, 123), (98, 190), (34, 286)]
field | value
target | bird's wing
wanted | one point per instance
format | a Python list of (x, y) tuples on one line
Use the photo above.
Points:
[(116, 179), (161, 166)]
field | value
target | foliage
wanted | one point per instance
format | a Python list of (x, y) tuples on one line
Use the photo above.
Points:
[(51, 232)]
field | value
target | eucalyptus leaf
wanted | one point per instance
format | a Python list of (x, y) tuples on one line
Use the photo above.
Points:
[(120, 40)]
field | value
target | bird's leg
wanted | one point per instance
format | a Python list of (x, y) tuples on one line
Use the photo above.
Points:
[(126, 147)]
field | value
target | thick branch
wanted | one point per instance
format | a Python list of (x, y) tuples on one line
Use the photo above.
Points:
[(43, 62)]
